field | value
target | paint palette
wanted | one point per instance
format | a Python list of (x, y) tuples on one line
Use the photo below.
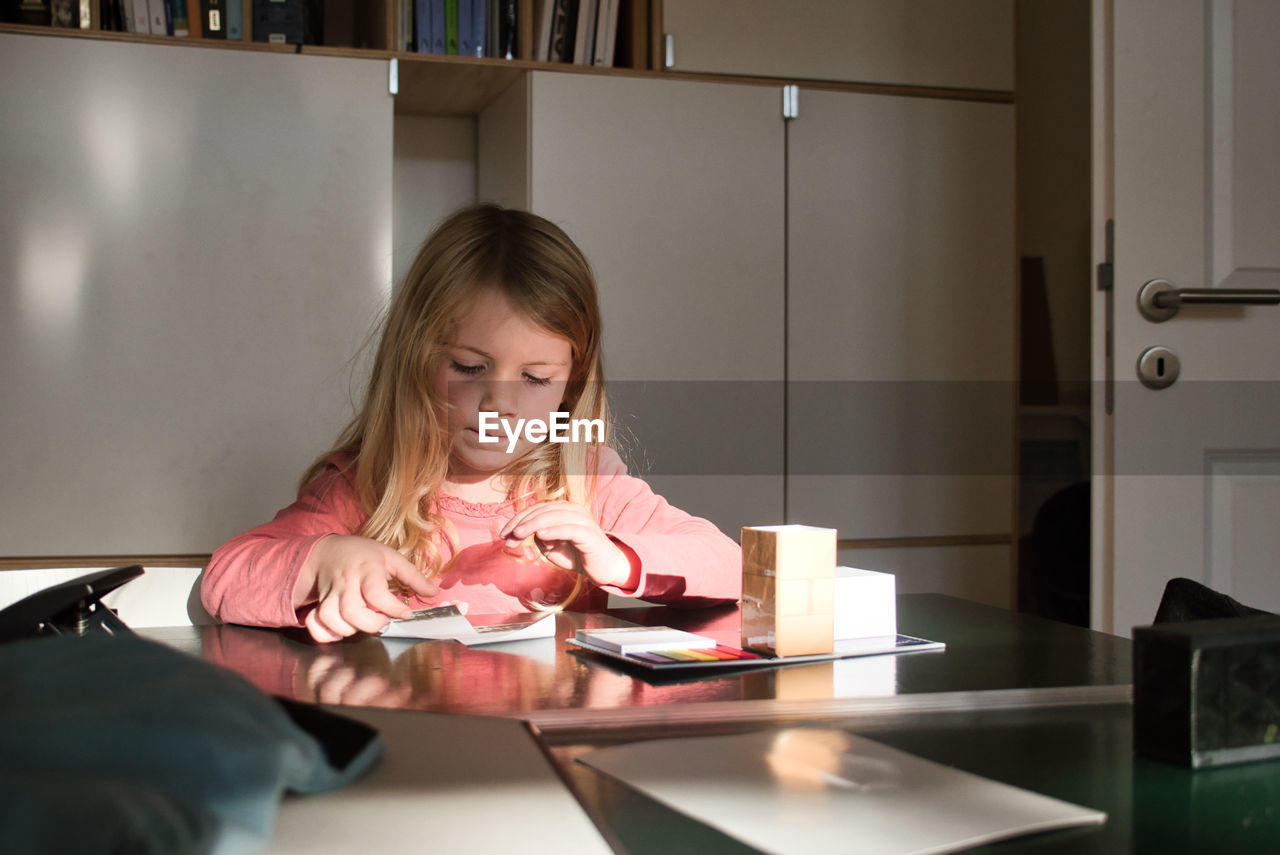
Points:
[(724, 656)]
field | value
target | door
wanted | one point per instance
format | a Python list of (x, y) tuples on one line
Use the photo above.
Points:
[(1185, 167)]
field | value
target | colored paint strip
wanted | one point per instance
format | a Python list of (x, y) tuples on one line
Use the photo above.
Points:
[(651, 658), (680, 655), (703, 655), (719, 653), (734, 652)]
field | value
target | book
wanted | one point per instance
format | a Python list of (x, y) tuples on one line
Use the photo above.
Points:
[(448, 623), (194, 28), (438, 34), (235, 20), (109, 16), (628, 640), (451, 27), (480, 28), (213, 19), (563, 16), (585, 32), (606, 33), (542, 14), (139, 17), (507, 29), (466, 36), (422, 26), (160, 17), (178, 14)]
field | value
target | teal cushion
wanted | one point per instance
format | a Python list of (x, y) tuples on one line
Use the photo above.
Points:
[(110, 740)]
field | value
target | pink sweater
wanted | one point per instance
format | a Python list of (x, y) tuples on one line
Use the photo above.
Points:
[(684, 560)]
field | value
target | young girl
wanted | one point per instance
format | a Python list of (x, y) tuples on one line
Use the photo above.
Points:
[(425, 502)]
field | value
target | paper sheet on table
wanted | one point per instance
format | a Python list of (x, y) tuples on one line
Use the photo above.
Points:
[(810, 791), (446, 622), (444, 784)]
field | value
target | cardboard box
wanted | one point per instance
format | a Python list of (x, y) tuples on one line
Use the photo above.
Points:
[(788, 593)]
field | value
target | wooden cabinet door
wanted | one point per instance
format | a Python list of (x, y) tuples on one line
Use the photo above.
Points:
[(901, 320), (960, 44), (675, 191), (196, 244)]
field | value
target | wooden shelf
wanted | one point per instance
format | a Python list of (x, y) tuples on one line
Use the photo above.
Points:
[(175, 41), (435, 85)]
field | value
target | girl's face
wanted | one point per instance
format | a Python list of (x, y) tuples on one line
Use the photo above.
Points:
[(498, 362)]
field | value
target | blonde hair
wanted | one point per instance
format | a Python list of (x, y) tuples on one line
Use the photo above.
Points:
[(400, 445)]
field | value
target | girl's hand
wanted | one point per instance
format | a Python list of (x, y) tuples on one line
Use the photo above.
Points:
[(348, 577), (567, 533)]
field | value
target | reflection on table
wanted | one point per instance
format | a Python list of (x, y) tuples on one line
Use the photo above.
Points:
[(993, 657), (1083, 755)]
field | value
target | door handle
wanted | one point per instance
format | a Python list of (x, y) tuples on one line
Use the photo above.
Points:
[(1159, 300)]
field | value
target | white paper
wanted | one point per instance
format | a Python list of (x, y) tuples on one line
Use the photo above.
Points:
[(811, 791), (444, 784), (642, 639), (446, 622)]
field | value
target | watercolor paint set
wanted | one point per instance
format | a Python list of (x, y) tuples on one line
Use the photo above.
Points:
[(662, 648)]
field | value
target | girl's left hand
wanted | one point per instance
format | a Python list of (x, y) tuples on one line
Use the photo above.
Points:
[(566, 533)]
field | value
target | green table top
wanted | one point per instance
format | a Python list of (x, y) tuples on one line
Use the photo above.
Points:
[(1078, 754)]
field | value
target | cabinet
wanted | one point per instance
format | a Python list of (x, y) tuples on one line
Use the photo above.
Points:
[(195, 244), (809, 319), (922, 43), (676, 192), (758, 276)]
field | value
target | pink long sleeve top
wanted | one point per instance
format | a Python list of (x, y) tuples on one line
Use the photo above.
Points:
[(683, 560)]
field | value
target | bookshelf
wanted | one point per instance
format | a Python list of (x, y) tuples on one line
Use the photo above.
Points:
[(429, 84)]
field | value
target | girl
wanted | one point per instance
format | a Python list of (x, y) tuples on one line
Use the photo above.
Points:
[(421, 503)]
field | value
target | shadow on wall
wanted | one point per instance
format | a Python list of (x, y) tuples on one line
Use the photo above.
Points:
[(1053, 559)]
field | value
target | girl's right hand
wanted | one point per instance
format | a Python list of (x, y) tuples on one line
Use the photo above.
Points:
[(348, 577)]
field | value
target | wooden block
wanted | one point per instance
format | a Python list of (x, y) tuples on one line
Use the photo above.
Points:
[(788, 589), (797, 636), (797, 597), (759, 592), (790, 551)]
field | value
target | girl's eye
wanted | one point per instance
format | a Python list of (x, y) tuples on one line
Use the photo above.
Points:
[(469, 370), (537, 381)]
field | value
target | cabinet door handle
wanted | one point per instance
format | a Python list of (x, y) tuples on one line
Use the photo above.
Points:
[(1159, 300)]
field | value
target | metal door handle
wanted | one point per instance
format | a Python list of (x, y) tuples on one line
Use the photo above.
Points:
[(1159, 300)]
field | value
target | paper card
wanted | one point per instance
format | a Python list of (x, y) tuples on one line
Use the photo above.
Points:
[(447, 622), (816, 791)]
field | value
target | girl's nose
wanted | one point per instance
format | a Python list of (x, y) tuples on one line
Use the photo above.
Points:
[(500, 396)]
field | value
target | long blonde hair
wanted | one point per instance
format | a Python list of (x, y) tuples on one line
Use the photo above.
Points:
[(399, 443)]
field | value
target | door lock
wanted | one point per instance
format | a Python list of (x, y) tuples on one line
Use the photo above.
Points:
[(1158, 367)]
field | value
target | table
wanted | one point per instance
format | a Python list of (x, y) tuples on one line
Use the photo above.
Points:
[(1016, 698), (994, 658)]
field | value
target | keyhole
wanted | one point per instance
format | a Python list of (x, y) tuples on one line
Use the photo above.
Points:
[(1158, 367)]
